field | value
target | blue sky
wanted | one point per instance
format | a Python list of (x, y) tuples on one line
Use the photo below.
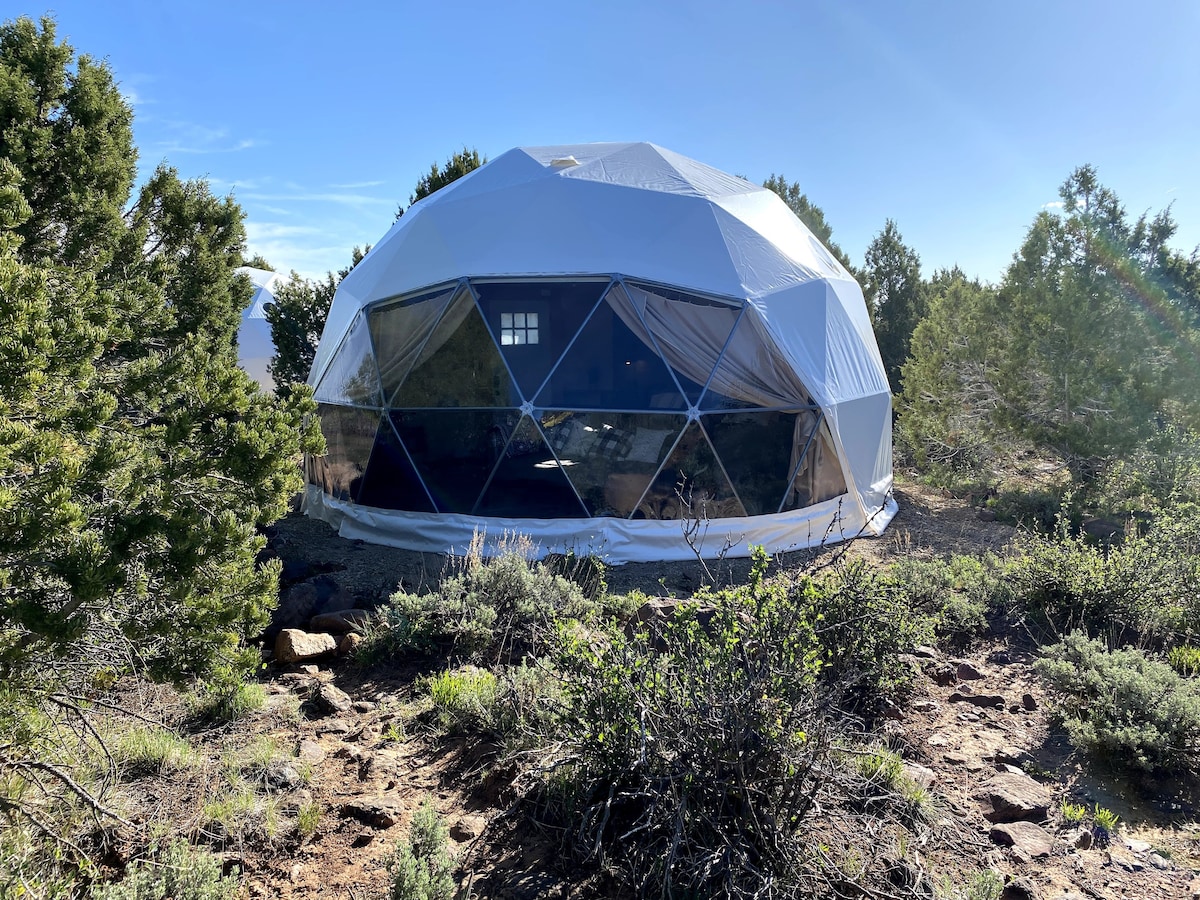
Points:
[(957, 120)]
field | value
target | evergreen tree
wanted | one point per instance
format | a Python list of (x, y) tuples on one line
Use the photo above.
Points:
[(137, 461), (458, 165), (1086, 349), (809, 213), (297, 318), (895, 294)]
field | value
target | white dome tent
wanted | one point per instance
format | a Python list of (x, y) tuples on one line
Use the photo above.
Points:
[(255, 347), (594, 345)]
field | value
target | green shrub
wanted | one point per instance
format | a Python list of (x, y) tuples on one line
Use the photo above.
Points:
[(1147, 587), (494, 607), (150, 751), (1073, 813), (1185, 660), (1121, 704), (227, 695), (1104, 825), (421, 868), (708, 737), (1163, 473), (308, 817), (1036, 510), (464, 699), (181, 873), (955, 593)]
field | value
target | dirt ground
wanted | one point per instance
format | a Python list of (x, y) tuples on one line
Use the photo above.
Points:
[(368, 754)]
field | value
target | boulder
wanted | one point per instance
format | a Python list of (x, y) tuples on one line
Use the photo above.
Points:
[(985, 701), (327, 699), (1032, 840), (340, 621), (967, 672), (349, 644), (294, 645), (378, 812), (310, 752), (1015, 798), (1020, 889)]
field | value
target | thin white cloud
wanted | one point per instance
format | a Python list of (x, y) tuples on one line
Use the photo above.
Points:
[(320, 197), (1053, 204), (265, 231)]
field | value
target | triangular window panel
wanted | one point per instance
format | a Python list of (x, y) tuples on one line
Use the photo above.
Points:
[(459, 366), (690, 331), (352, 377), (399, 331), (613, 364), (691, 484), (533, 322), (390, 481), (454, 450), (819, 475), (753, 373), (611, 457), (349, 437), (528, 481), (759, 451)]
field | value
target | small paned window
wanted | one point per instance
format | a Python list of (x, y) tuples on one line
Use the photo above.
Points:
[(518, 328)]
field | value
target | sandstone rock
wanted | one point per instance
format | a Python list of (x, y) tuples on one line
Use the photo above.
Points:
[(294, 645), (1137, 846), (920, 775), (1080, 838), (282, 777), (986, 701), (310, 752), (467, 828), (1032, 839), (1011, 755), (1020, 889), (327, 700), (1159, 861), (349, 644), (378, 812), (340, 621), (335, 726), (363, 706), (1015, 798), (967, 672)]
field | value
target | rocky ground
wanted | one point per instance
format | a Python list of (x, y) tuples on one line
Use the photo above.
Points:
[(976, 732)]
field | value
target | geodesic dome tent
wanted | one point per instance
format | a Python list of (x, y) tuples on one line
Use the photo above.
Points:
[(597, 346), (255, 346)]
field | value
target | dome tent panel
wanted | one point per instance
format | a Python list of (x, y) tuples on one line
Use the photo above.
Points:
[(390, 480), (256, 347), (611, 457), (352, 377), (400, 329), (528, 480), (533, 346), (747, 347), (458, 366), (349, 438)]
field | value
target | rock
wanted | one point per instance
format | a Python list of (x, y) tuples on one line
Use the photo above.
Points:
[(296, 606), (1031, 839), (967, 672), (945, 676), (1159, 861), (349, 644), (937, 740), (282, 777), (954, 759), (1080, 838), (986, 515), (294, 645), (924, 652), (327, 700), (1029, 702), (1010, 755), (468, 828), (986, 701), (1194, 887), (920, 775), (1137, 846), (925, 706), (340, 621), (363, 838), (1125, 861), (1015, 798), (310, 752), (311, 670), (363, 706), (1000, 657), (1020, 889), (378, 812)]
